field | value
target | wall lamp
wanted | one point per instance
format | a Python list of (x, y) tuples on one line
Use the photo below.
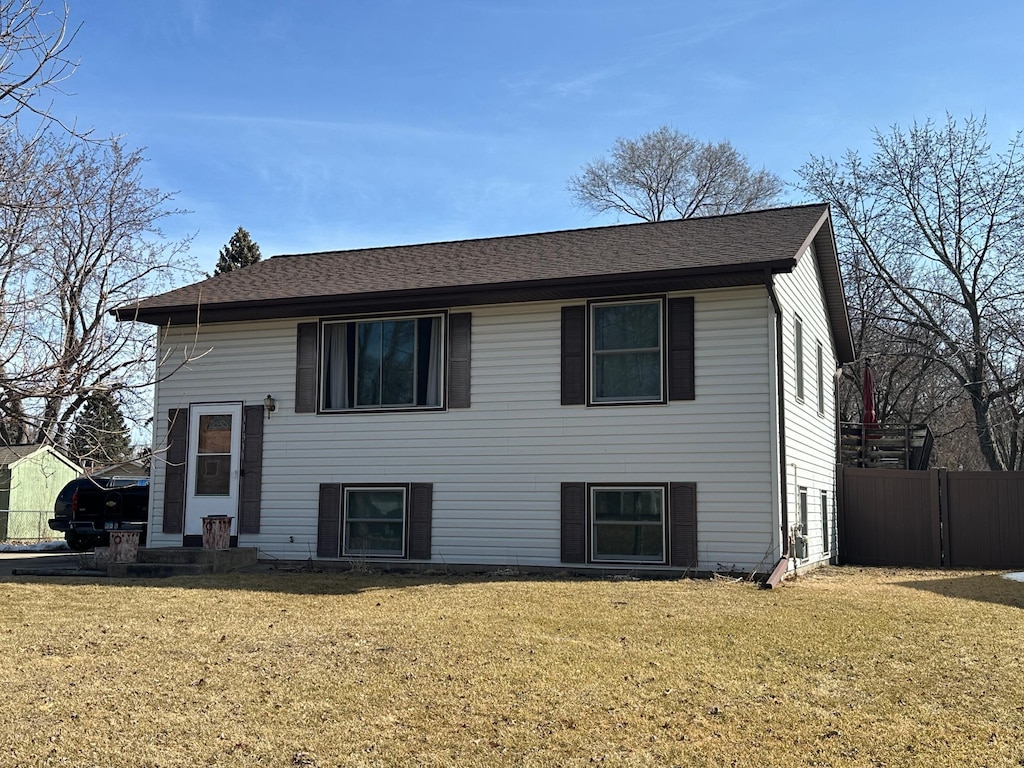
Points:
[(269, 405)]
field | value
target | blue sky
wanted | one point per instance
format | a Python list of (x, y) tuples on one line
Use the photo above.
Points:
[(323, 125)]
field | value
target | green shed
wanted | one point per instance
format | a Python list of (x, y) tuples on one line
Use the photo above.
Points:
[(31, 476)]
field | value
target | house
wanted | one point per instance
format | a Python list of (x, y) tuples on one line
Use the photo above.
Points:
[(31, 476), (654, 396)]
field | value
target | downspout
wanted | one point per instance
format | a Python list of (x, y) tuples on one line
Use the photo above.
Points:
[(777, 574)]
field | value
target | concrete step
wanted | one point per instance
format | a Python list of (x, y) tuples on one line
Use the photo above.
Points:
[(156, 570), (163, 562)]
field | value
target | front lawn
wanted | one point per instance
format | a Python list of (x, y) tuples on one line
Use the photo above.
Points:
[(847, 666)]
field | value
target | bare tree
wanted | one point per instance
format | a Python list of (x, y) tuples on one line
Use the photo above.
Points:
[(89, 241), (34, 58), (668, 174), (933, 231)]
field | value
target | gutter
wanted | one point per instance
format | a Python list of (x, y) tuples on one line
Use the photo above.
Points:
[(778, 573)]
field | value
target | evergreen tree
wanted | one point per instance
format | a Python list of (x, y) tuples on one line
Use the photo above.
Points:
[(240, 252), (100, 435)]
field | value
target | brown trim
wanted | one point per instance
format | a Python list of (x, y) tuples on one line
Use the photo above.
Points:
[(306, 354), (458, 296), (174, 474), (683, 527), (574, 522), (328, 527), (460, 346), (574, 354), (420, 512), (250, 486), (681, 366)]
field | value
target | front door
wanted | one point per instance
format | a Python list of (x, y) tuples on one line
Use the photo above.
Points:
[(214, 447)]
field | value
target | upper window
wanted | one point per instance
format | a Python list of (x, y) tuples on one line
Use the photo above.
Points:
[(627, 352), (382, 363), (628, 524)]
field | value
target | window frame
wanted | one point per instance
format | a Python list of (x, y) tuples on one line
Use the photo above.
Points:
[(826, 538), (592, 353), (820, 363), (798, 354), (346, 489), (594, 488), (442, 372)]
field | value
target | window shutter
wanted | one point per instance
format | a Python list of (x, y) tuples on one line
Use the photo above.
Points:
[(174, 474), (251, 490), (574, 355), (460, 329), (681, 372), (683, 513), (328, 528), (305, 368), (421, 508), (574, 522)]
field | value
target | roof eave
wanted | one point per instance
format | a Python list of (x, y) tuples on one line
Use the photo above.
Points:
[(454, 296)]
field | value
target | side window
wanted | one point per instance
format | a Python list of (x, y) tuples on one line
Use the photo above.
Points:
[(825, 538), (820, 370), (798, 344)]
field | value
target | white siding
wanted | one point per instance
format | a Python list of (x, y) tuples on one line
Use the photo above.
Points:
[(497, 466), (810, 436)]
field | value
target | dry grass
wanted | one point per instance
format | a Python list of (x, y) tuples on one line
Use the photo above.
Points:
[(844, 667)]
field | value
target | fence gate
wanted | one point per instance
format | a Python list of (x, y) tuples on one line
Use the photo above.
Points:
[(931, 518)]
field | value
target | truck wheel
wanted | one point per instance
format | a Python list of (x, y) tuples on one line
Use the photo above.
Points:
[(77, 542)]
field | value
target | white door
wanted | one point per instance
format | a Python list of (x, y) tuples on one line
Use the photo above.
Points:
[(214, 448)]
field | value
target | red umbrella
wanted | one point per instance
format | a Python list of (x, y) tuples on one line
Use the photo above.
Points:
[(870, 418)]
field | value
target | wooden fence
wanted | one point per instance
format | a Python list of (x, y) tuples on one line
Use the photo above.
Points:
[(931, 518)]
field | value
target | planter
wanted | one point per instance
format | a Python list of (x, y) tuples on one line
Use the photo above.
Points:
[(217, 532), (124, 546)]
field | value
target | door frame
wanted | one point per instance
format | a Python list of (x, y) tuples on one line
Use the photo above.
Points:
[(195, 411)]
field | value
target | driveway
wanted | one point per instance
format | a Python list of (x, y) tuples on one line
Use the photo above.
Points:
[(9, 561)]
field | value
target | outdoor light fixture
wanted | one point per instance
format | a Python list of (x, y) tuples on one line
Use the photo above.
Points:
[(270, 404)]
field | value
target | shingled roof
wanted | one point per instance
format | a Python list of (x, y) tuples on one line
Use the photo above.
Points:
[(716, 251)]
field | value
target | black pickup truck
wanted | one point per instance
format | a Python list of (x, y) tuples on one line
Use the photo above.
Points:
[(87, 509)]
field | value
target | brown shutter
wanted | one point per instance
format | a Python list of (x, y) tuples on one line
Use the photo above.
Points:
[(305, 368), (681, 375), (460, 329), (421, 508), (328, 528), (683, 514), (174, 474), (574, 522), (251, 491), (574, 355)]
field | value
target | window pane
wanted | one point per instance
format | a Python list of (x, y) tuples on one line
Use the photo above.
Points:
[(368, 339), (627, 376), (213, 475), (375, 522), (398, 360), (627, 326), (629, 542), (215, 433)]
